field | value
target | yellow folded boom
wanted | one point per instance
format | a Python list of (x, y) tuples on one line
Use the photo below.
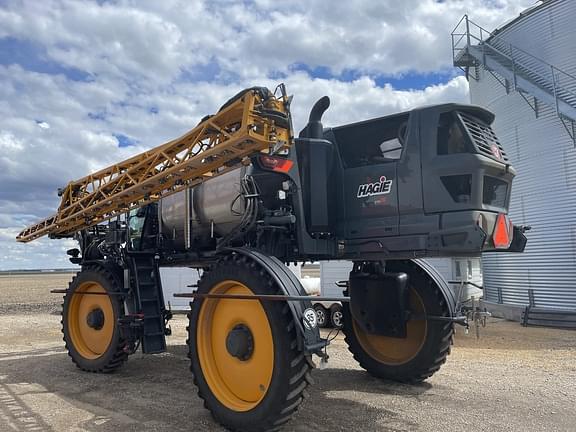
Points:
[(258, 121)]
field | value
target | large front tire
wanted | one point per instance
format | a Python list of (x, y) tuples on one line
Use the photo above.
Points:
[(421, 353), (90, 316), (244, 353)]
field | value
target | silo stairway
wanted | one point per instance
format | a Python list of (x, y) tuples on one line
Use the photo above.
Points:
[(534, 79)]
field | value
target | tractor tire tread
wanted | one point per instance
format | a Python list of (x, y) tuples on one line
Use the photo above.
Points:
[(437, 359), (120, 355), (299, 372)]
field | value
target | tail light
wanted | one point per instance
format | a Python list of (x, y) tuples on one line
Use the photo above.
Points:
[(276, 164), (502, 236)]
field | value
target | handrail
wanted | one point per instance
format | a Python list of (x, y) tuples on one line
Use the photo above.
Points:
[(493, 36), (560, 82)]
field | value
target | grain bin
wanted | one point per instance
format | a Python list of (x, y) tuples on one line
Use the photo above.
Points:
[(525, 72)]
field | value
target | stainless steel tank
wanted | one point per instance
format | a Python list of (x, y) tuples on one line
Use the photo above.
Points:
[(213, 208), (173, 215)]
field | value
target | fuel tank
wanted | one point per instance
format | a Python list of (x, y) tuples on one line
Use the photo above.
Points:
[(211, 209)]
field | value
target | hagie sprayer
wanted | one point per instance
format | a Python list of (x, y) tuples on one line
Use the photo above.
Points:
[(238, 197)]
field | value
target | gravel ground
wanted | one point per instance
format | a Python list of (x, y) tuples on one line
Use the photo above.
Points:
[(512, 379), (30, 293)]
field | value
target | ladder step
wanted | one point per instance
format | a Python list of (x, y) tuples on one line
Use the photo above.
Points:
[(156, 349), (154, 334), (149, 286), (145, 270)]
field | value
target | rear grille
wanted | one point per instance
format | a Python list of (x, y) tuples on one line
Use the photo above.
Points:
[(484, 137)]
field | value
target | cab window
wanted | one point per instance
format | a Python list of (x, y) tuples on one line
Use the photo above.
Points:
[(136, 221), (450, 138), (372, 142)]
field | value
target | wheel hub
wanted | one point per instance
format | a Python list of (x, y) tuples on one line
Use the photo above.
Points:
[(240, 342), (95, 319)]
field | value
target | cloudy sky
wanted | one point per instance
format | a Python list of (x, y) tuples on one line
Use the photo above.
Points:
[(86, 83)]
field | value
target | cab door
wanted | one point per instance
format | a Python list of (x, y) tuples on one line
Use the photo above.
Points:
[(371, 200), (142, 228), (136, 221), (370, 152)]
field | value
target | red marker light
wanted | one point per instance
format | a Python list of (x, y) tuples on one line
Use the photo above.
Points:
[(276, 164), (501, 236)]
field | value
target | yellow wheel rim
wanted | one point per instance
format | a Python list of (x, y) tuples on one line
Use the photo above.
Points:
[(90, 340), (240, 385), (396, 351)]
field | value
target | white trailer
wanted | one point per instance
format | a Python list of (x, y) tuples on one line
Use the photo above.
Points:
[(460, 269), (329, 313), (454, 270), (178, 280)]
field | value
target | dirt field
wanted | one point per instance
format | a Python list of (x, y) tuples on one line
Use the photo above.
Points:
[(29, 293), (512, 379)]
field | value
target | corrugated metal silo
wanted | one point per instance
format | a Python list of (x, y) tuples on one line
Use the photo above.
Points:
[(525, 73)]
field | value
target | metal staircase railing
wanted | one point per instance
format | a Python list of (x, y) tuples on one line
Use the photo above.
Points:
[(532, 77)]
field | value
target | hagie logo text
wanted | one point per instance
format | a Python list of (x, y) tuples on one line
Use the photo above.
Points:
[(380, 187)]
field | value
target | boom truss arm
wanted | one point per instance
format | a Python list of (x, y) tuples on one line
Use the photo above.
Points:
[(253, 121)]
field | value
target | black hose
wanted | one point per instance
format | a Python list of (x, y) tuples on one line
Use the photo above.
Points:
[(248, 189)]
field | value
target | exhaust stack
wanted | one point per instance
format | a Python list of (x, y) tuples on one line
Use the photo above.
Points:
[(314, 128)]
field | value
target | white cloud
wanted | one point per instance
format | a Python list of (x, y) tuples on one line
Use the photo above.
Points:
[(155, 41), (155, 68)]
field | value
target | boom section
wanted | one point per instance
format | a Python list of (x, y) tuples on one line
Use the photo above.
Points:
[(253, 121)]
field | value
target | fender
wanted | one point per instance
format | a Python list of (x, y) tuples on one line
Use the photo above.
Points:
[(309, 340), (111, 267), (422, 266), (440, 282)]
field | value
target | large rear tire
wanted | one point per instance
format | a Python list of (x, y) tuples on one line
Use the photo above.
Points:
[(90, 321), (418, 356), (244, 353)]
